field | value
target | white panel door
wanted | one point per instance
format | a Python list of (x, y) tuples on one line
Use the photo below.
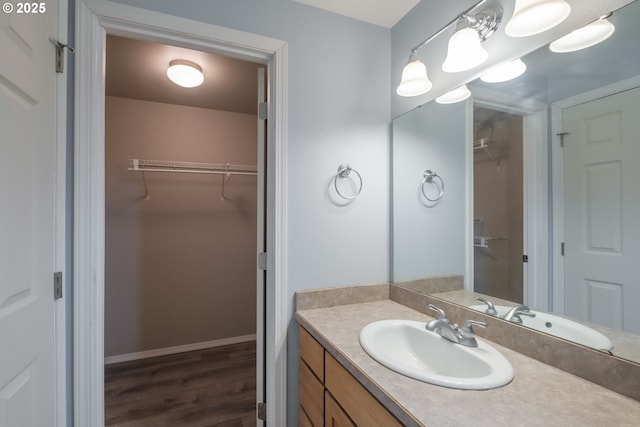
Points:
[(27, 165), (602, 210)]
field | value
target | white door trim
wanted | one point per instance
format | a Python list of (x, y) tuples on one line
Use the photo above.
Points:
[(535, 188), (60, 305), (95, 18), (558, 175)]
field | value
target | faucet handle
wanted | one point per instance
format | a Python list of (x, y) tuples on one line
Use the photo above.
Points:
[(467, 335), (467, 328), (441, 314), (491, 309)]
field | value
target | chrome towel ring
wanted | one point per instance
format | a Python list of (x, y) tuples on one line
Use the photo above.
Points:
[(343, 172), (429, 176)]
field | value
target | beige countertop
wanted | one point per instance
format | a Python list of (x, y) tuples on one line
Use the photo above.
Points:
[(539, 395)]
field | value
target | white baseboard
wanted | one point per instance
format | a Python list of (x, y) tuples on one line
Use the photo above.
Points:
[(177, 349)]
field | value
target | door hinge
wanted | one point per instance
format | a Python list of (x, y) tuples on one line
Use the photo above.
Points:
[(262, 111), (57, 285), (525, 258), (262, 411), (562, 249), (562, 135), (262, 260), (60, 54)]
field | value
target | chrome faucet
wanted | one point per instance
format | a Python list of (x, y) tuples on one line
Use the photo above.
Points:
[(463, 336), (491, 309), (514, 314)]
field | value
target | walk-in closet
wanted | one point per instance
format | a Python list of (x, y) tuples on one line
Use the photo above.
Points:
[(498, 204), (181, 181)]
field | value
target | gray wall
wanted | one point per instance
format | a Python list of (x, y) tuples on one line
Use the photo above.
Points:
[(180, 267), (429, 239)]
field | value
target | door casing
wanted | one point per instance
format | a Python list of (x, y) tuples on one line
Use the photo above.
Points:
[(94, 19)]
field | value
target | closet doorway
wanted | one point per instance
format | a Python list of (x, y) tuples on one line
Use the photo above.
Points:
[(184, 220), (499, 224)]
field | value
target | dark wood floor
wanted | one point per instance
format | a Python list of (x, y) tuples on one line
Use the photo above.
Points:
[(212, 387)]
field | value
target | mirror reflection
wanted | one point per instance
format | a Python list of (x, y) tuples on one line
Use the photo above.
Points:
[(543, 215)]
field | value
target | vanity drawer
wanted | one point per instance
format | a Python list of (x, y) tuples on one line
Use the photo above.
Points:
[(312, 353), (363, 408)]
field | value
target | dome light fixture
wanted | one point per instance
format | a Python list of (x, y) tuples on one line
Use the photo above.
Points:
[(504, 72), (532, 17), (455, 95), (584, 37), (185, 73)]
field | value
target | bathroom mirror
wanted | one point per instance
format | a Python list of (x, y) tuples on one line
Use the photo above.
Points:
[(502, 148)]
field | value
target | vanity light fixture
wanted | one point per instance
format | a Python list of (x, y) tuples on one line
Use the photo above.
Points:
[(584, 37), (536, 16), (414, 78), (465, 49), (504, 72), (185, 73), (455, 95)]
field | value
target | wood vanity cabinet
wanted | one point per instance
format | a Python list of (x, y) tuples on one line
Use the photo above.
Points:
[(330, 396)]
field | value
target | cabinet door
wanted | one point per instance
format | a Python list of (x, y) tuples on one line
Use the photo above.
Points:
[(334, 416), (303, 419), (363, 408)]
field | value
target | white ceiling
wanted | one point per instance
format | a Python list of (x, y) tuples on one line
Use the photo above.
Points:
[(385, 13)]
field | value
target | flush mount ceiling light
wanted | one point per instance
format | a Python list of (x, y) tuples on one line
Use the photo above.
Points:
[(582, 38), (465, 50), (453, 96), (504, 72), (185, 73), (414, 78), (536, 16)]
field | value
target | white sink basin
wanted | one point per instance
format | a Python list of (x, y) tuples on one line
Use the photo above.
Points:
[(559, 326), (408, 348)]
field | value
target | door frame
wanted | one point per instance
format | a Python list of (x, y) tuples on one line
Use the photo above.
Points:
[(94, 19), (536, 283), (557, 166)]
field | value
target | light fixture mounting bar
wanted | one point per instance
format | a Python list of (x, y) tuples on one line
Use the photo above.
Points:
[(454, 20)]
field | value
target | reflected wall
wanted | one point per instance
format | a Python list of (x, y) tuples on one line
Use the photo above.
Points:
[(430, 237)]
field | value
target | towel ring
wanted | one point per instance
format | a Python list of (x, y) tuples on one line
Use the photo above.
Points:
[(343, 172), (428, 178)]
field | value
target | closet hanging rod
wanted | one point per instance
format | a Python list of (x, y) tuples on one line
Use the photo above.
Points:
[(141, 165)]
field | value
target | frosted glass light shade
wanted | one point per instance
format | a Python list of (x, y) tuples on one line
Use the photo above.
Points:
[(504, 72), (536, 16), (414, 79), (453, 96), (185, 73), (465, 51), (582, 38)]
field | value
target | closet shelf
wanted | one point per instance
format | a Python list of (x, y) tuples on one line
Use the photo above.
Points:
[(140, 165), (483, 241)]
